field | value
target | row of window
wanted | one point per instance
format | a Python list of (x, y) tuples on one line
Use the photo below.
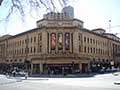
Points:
[(22, 42), (93, 41), (20, 60), (95, 50), (25, 51)]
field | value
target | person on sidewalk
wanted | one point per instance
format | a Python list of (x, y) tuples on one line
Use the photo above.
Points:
[(26, 75)]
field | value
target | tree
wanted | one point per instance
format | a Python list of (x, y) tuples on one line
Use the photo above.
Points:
[(1, 2), (22, 6)]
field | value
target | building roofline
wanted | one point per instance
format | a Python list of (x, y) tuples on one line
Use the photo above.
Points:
[(59, 20), (73, 27), (33, 30), (23, 33), (97, 29), (84, 29)]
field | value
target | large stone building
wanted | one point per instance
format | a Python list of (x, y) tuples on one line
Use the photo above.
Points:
[(59, 45)]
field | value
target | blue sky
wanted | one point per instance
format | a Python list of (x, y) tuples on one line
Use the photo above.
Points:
[(94, 13)]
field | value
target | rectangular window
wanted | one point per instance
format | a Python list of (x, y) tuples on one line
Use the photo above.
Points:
[(31, 50), (91, 50), (79, 41), (84, 39), (34, 39), (88, 40), (22, 41), (40, 48), (19, 51), (79, 36), (31, 40), (27, 49), (26, 40), (40, 36), (34, 49), (94, 50), (85, 49)]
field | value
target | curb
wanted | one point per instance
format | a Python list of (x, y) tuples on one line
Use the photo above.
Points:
[(117, 83)]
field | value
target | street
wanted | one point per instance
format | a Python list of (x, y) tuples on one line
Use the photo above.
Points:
[(97, 82)]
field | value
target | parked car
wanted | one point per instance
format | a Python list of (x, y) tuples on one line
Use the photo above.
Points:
[(18, 73)]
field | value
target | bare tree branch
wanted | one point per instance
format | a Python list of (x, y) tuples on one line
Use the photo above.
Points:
[(1, 2), (22, 6), (43, 4)]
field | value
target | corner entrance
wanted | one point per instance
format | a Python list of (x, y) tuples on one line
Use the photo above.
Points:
[(60, 68), (85, 68)]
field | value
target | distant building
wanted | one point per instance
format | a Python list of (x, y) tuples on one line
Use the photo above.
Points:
[(67, 13)]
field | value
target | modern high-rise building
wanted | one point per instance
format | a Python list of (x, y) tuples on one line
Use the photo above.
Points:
[(58, 46), (66, 13)]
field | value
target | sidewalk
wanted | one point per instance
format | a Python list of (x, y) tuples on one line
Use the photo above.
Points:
[(65, 76), (8, 80), (117, 74), (117, 82)]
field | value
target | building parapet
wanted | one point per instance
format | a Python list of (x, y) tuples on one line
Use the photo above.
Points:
[(103, 33), (60, 23)]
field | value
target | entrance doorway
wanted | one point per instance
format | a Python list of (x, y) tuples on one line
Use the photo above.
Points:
[(84, 67), (68, 68), (36, 68)]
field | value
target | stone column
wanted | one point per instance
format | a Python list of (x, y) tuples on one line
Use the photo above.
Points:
[(41, 68), (31, 71), (63, 42), (70, 43), (56, 48), (89, 67), (49, 42), (80, 66)]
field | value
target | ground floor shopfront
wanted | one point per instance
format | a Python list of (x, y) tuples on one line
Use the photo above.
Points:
[(70, 68), (67, 65), (71, 65), (60, 66)]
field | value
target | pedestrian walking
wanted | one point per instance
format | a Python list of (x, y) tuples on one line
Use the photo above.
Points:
[(26, 75)]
